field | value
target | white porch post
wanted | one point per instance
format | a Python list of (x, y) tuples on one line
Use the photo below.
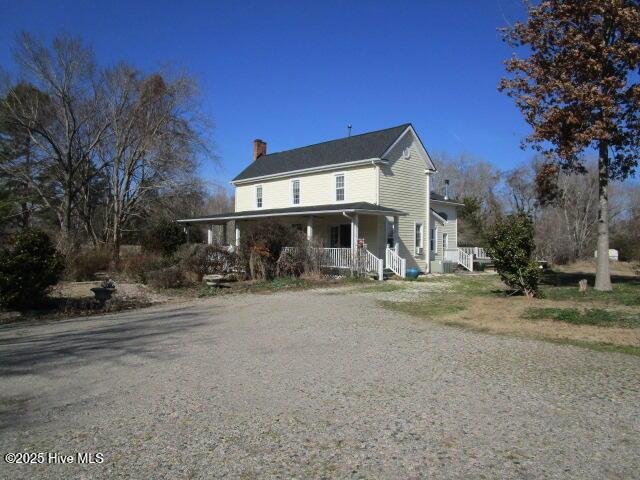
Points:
[(396, 233), (310, 228), (354, 231), (354, 240), (237, 234), (210, 234)]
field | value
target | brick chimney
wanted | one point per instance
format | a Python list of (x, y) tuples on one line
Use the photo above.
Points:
[(259, 148)]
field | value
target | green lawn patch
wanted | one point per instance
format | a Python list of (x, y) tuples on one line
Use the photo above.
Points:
[(592, 316), (558, 286)]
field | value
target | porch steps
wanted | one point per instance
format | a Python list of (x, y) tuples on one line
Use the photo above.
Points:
[(387, 273)]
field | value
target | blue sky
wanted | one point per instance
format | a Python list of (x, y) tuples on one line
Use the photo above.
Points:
[(296, 73)]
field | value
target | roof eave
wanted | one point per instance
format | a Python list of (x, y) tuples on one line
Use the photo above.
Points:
[(364, 211), (448, 202), (322, 168)]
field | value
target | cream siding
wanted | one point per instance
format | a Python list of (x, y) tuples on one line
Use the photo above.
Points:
[(315, 189), (403, 186), (449, 227)]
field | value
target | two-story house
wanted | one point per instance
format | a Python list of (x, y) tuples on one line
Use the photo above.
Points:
[(374, 188)]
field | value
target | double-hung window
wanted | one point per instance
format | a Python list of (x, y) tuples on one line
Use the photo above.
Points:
[(432, 241), (295, 192), (259, 196), (419, 238), (339, 187)]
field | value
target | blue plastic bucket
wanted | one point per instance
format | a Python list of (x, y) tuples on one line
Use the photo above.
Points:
[(413, 272)]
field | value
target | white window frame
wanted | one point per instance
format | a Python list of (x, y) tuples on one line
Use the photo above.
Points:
[(419, 245), (335, 187), (259, 198), (445, 241), (293, 195)]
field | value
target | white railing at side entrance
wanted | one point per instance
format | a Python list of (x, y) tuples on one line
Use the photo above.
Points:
[(479, 252), (465, 259), (395, 262)]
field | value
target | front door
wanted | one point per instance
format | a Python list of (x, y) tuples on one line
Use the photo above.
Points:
[(340, 236)]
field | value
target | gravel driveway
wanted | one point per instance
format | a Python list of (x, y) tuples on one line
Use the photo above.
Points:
[(310, 385)]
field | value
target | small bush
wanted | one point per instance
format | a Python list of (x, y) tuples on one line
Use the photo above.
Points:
[(28, 268), (511, 247), (206, 259), (304, 258), (86, 263), (165, 237), (261, 246)]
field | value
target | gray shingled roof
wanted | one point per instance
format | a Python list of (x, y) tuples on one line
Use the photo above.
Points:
[(334, 207), (356, 147), (440, 198)]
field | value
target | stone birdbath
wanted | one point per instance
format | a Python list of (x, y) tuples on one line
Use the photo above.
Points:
[(104, 291)]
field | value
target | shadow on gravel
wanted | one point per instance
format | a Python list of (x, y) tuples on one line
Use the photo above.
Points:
[(149, 334)]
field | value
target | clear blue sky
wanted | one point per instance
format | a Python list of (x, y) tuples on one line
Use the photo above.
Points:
[(296, 73)]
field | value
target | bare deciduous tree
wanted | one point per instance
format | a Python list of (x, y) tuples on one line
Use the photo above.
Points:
[(476, 183), (151, 143), (63, 122)]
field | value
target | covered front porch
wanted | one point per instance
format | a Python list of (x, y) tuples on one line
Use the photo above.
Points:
[(350, 235)]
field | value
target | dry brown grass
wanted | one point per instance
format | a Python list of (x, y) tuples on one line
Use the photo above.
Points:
[(622, 269), (480, 303), (504, 316)]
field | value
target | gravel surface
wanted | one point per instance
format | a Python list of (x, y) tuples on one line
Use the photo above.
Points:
[(310, 385)]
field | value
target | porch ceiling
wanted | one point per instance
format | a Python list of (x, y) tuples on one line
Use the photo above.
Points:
[(364, 208)]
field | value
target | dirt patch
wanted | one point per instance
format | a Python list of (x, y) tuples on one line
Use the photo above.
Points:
[(123, 290)]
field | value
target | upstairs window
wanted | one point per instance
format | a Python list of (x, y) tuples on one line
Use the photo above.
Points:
[(259, 196), (340, 187), (295, 192)]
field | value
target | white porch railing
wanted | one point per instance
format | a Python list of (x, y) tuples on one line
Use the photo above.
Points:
[(395, 262), (343, 258), (479, 252), (374, 264), (465, 259), (331, 257), (337, 257)]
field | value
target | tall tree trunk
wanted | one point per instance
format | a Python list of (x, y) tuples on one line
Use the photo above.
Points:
[(25, 215), (116, 237), (65, 216), (603, 277), (115, 249)]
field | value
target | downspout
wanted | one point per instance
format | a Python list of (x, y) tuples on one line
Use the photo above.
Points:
[(428, 223)]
